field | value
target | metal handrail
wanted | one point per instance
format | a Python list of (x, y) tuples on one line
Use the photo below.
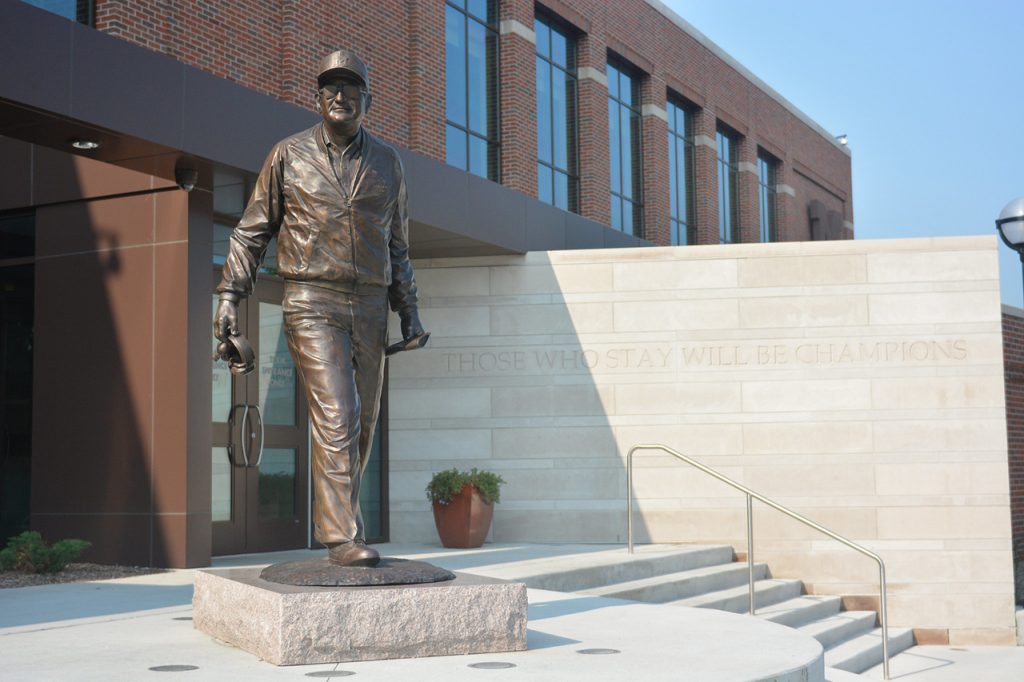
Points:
[(751, 495)]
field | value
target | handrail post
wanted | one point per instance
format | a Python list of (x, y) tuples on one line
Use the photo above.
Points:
[(750, 551), (883, 616), (629, 500)]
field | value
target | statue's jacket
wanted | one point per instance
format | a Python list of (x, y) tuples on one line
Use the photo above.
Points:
[(352, 236)]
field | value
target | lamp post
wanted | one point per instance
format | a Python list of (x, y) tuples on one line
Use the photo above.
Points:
[(1010, 225)]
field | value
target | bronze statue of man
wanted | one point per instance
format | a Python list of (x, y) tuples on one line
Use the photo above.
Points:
[(335, 198)]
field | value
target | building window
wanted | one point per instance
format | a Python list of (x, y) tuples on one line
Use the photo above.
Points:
[(471, 87), (766, 171), (680, 174), (624, 146), (557, 177), (727, 227)]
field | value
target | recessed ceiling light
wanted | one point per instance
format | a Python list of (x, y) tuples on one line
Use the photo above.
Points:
[(84, 144)]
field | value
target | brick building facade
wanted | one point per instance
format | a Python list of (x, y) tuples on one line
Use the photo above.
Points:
[(1013, 372), (274, 47), (155, 88)]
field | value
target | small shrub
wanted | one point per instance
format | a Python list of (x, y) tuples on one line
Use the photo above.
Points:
[(445, 485), (29, 554)]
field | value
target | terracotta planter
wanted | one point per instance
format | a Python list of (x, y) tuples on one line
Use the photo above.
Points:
[(463, 523)]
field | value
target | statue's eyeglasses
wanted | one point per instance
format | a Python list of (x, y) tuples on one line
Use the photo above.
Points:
[(347, 90)]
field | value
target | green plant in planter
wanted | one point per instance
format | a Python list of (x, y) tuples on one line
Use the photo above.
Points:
[(29, 554), (445, 485)]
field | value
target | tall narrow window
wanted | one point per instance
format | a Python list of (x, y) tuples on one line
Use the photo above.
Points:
[(471, 87), (727, 227), (766, 170), (624, 148), (680, 174), (557, 178)]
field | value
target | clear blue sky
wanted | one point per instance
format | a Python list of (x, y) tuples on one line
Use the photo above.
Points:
[(930, 92)]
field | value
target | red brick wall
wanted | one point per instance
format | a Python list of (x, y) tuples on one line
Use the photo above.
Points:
[(274, 47), (1013, 369), (595, 160), (517, 92)]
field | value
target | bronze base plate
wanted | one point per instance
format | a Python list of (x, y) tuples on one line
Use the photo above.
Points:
[(320, 572)]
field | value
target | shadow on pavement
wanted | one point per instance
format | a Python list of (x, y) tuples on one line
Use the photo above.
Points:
[(73, 601)]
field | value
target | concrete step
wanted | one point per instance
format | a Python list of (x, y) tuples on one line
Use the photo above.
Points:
[(736, 599), (672, 586), (576, 573), (836, 675), (865, 651), (802, 610), (832, 630)]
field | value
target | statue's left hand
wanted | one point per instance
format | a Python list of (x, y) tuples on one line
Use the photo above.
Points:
[(411, 327)]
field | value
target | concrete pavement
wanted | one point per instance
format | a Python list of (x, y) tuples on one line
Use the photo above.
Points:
[(122, 629)]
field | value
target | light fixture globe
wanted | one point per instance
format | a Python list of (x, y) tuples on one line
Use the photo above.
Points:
[(1010, 224)]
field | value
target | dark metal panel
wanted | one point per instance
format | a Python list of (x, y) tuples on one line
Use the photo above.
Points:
[(581, 233), (613, 239), (140, 95), (497, 214), (233, 125), (16, 185), (35, 50), (545, 227), (438, 193)]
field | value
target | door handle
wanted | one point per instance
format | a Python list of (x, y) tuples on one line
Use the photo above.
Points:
[(259, 455), (244, 436)]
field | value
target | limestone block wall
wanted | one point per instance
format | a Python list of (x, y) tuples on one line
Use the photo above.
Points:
[(857, 382)]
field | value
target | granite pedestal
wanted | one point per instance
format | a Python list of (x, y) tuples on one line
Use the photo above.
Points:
[(295, 625)]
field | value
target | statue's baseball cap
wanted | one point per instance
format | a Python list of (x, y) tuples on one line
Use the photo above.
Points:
[(343, 62)]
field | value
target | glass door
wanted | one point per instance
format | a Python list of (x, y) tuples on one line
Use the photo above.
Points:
[(260, 440)]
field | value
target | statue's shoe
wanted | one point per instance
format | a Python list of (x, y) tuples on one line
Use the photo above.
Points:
[(353, 554)]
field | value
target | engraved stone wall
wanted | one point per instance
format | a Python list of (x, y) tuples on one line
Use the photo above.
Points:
[(860, 383)]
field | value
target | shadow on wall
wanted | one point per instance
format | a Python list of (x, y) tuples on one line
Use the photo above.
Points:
[(548, 372), (97, 382), (505, 386)]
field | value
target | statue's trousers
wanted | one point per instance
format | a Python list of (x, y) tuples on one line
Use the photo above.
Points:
[(337, 341)]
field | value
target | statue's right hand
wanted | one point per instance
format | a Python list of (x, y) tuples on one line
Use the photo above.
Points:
[(225, 322)]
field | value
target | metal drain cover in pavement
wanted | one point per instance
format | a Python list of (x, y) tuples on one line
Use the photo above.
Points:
[(330, 673), (491, 665), (183, 618), (598, 652), (173, 668)]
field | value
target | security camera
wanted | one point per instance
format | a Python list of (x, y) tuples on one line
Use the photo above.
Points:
[(186, 178)]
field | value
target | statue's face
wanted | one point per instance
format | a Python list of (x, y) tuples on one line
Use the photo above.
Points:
[(343, 101)]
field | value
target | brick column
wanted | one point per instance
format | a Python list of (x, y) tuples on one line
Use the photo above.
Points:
[(655, 161), (296, 54), (595, 177), (426, 76), (785, 204), (518, 96), (705, 168), (747, 188)]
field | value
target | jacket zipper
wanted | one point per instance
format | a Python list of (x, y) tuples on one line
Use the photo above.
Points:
[(351, 222)]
